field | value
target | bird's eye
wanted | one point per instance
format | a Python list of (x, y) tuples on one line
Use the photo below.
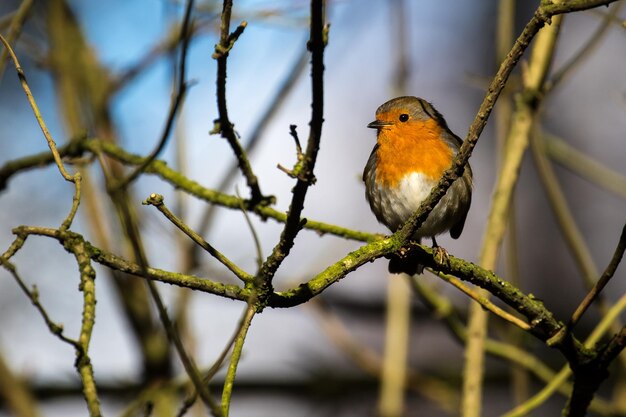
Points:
[(404, 117)]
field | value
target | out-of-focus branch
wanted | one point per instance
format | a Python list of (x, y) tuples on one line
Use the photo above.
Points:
[(14, 393), (516, 144), (17, 166), (560, 378), (570, 66), (370, 361), (520, 383), (15, 28), (583, 165), (563, 215), (177, 99), (394, 372), (484, 302), (166, 46), (445, 311), (601, 283)]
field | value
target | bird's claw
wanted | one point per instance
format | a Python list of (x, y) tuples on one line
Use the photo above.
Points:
[(441, 255)]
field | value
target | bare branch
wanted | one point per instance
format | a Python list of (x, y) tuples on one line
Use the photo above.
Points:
[(177, 99), (293, 222), (156, 200)]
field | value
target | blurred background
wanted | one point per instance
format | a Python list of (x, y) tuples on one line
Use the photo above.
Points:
[(294, 362)]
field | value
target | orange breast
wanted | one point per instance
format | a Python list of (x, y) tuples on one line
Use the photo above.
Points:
[(408, 148)]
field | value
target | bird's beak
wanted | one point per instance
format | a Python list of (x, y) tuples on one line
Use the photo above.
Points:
[(378, 124)]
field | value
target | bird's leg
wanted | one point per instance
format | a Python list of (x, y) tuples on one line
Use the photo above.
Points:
[(441, 255)]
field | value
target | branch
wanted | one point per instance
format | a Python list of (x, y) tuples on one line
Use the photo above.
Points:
[(76, 178), (87, 287), (498, 219), (33, 294), (234, 360), (542, 323), (443, 310), (568, 68), (224, 125), (15, 28), (282, 93), (166, 46), (604, 279), (293, 222), (156, 200), (119, 264), (583, 165), (176, 179), (545, 393), (368, 360), (551, 8), (177, 100), (483, 301)]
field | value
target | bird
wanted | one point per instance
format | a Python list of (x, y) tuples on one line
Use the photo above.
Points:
[(414, 147)]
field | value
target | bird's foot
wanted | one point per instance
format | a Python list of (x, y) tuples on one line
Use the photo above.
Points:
[(440, 254)]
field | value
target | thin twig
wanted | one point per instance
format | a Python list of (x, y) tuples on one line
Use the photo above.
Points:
[(584, 166), (33, 104), (177, 100), (293, 222), (188, 363), (235, 357), (483, 301), (570, 66), (443, 309), (253, 232), (282, 93), (17, 22), (225, 126), (604, 279), (547, 391), (217, 365), (156, 200), (76, 178), (33, 294)]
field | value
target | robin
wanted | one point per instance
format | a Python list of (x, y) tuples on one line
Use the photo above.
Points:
[(414, 148)]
